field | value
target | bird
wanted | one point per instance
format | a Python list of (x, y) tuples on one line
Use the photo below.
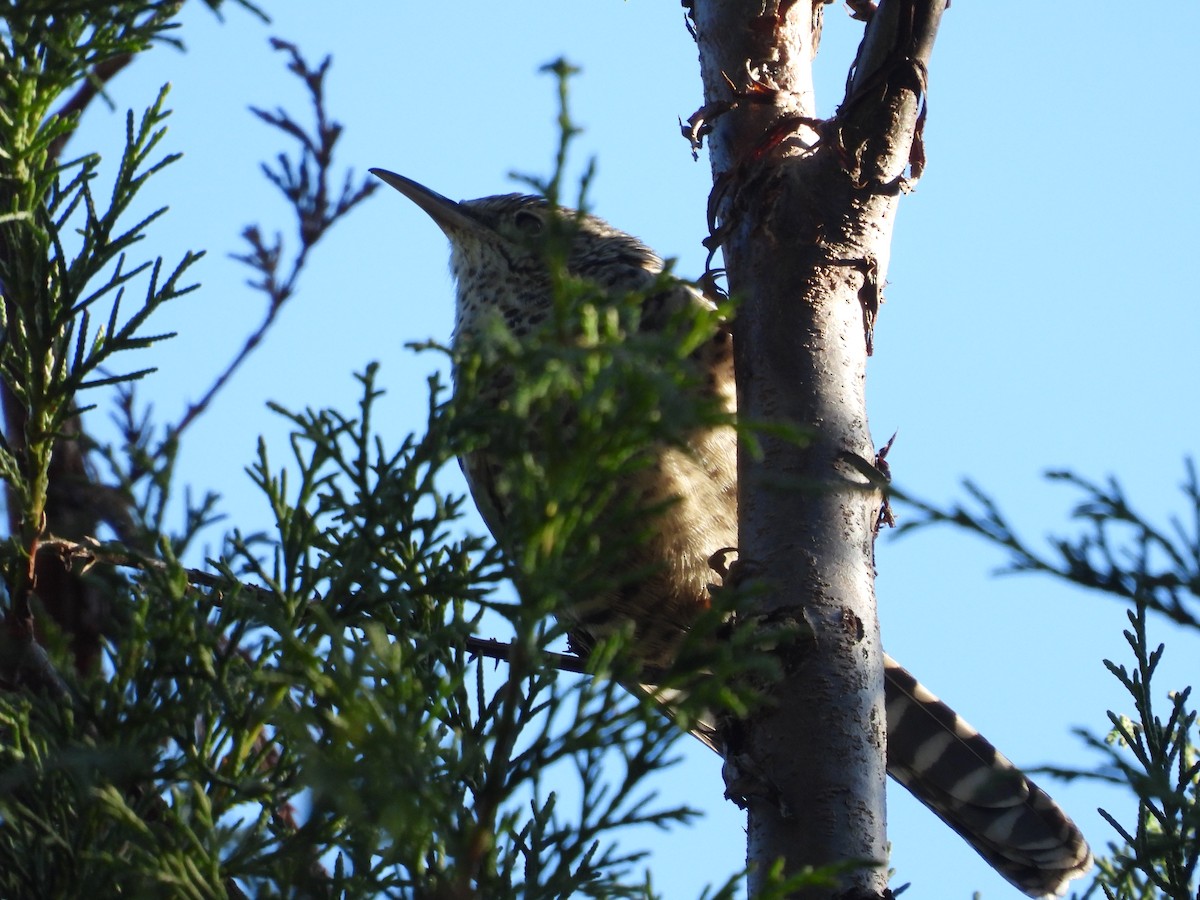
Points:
[(498, 259)]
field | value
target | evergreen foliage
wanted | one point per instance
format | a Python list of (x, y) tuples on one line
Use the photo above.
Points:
[(311, 713)]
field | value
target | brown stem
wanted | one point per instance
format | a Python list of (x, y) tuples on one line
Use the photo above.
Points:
[(86, 555)]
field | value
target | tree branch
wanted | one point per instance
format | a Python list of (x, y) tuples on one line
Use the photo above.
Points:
[(803, 211), (91, 553), (304, 182)]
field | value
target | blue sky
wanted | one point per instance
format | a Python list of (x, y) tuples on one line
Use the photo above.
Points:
[(1040, 311)]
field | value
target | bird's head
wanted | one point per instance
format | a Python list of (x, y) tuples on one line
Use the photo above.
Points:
[(501, 246)]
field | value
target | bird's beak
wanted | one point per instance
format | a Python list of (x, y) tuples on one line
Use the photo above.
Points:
[(449, 216)]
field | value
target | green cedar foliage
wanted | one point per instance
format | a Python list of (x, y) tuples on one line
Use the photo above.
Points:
[(312, 713), (1153, 749)]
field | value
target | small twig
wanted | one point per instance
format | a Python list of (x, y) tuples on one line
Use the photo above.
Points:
[(1163, 592), (111, 554), (892, 62), (96, 553), (304, 181), (494, 649), (886, 515), (861, 10)]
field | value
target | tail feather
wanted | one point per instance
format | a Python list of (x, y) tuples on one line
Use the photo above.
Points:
[(973, 788)]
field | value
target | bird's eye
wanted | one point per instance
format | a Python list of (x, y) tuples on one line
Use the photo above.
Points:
[(528, 222)]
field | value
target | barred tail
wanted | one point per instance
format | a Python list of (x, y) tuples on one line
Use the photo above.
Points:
[(973, 788)]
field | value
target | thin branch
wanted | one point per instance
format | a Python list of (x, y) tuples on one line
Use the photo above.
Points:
[(95, 553), (304, 182), (499, 650), (881, 120)]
